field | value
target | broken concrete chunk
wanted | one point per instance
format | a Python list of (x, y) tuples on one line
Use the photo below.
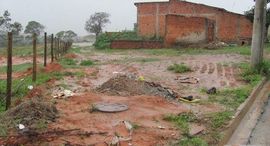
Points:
[(62, 93), (196, 129)]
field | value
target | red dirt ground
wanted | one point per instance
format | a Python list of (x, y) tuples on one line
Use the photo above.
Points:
[(148, 113)]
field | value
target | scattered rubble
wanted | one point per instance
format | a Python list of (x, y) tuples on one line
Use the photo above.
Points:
[(61, 92), (196, 129), (215, 45), (130, 85)]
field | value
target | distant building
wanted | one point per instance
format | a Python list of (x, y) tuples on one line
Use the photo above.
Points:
[(181, 22)]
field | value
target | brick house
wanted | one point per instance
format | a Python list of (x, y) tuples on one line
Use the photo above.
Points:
[(181, 22)]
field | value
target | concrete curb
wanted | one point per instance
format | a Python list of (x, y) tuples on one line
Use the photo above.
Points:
[(241, 112)]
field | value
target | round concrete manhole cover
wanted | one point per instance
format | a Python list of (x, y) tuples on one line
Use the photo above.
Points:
[(110, 107)]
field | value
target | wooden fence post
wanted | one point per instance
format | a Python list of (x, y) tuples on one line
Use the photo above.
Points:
[(9, 71), (45, 49), (34, 76), (52, 51), (56, 49)]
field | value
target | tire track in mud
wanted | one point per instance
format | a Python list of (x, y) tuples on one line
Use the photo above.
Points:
[(227, 75)]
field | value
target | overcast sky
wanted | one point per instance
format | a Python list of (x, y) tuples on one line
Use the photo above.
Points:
[(59, 15)]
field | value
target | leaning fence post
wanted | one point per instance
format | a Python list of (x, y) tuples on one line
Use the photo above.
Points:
[(34, 57), (9, 71), (52, 48), (45, 49)]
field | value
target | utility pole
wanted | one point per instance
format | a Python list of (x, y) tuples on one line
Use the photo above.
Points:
[(258, 33)]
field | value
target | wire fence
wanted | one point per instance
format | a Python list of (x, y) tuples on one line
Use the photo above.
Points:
[(46, 48)]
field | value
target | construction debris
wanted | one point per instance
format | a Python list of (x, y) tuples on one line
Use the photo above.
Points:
[(196, 129), (130, 85), (188, 80), (62, 93), (215, 45)]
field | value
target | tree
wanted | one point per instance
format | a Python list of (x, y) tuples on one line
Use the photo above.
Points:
[(34, 27), (66, 35), (5, 22), (258, 33), (16, 28), (97, 22)]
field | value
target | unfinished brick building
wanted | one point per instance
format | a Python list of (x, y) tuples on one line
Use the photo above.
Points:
[(181, 22)]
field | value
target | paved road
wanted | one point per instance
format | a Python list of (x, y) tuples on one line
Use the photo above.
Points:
[(261, 133)]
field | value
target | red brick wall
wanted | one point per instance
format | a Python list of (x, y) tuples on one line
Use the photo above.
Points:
[(229, 27), (182, 30), (128, 44)]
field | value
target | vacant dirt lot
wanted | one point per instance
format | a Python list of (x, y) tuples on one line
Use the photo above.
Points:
[(146, 113)]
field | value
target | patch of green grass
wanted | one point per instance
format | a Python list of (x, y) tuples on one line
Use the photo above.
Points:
[(182, 121), (75, 50), (219, 119), (17, 68), (161, 52), (77, 74), (179, 68), (87, 63), (195, 141), (231, 98), (41, 124), (20, 86), (2, 107), (68, 63), (25, 50)]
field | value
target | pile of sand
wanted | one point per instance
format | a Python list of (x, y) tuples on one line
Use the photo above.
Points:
[(125, 85)]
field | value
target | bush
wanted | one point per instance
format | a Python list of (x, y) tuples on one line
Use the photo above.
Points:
[(179, 68), (103, 41)]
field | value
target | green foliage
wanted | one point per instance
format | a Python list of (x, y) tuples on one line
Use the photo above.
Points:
[(34, 27), (219, 119), (195, 141), (250, 75), (17, 68), (68, 62), (86, 63), (2, 108), (231, 98), (20, 86), (103, 41), (182, 121), (179, 68), (25, 50)]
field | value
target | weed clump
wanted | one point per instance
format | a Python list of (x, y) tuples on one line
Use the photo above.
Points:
[(179, 68), (87, 63)]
